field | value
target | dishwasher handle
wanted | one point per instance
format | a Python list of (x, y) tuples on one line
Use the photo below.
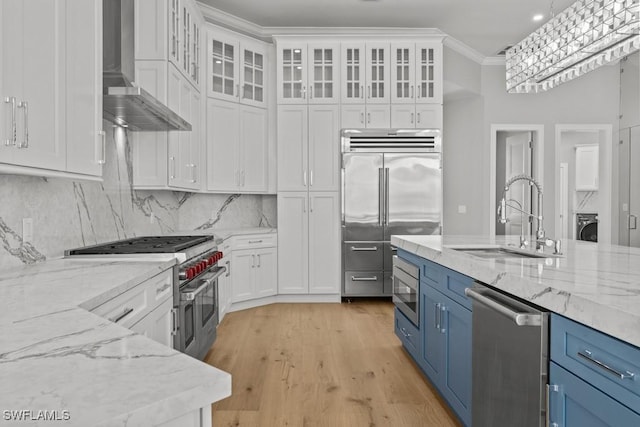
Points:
[(519, 318)]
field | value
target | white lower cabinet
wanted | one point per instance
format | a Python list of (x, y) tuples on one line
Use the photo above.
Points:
[(308, 243), (254, 270), (158, 325), (224, 281), (198, 418)]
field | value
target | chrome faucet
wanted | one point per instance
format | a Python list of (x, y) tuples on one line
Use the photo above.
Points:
[(541, 239)]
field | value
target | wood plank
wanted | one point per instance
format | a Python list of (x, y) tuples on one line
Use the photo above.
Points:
[(321, 365)]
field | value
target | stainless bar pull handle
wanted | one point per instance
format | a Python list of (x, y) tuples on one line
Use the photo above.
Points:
[(13, 128), (380, 196), (255, 241), (633, 222), (310, 204), (172, 167), (405, 333), (443, 309), (253, 261), (304, 92), (419, 87), (436, 316), (587, 355), (520, 319), (361, 91), (174, 320), (25, 136), (238, 91), (103, 147), (386, 196), (418, 121), (371, 248), (411, 91), (304, 178), (368, 118), (259, 263), (125, 313), (411, 118), (208, 280), (361, 118), (369, 91), (228, 264), (311, 178), (310, 92), (364, 279)]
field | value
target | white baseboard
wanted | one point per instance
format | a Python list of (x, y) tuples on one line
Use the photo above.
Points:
[(279, 299)]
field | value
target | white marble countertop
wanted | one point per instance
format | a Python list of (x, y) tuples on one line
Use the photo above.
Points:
[(225, 233), (56, 355), (592, 283)]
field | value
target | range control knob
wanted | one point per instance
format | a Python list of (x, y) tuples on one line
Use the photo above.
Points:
[(191, 273)]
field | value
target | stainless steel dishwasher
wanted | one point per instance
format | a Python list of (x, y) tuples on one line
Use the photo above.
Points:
[(510, 360)]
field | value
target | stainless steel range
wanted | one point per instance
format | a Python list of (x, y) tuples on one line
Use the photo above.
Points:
[(195, 290)]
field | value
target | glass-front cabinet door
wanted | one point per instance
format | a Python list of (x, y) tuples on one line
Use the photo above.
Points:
[(253, 75), (403, 73), (377, 73), (174, 31), (292, 74), (429, 72), (223, 74), (323, 72), (353, 73)]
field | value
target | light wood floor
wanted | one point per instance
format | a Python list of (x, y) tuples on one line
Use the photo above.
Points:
[(321, 365)]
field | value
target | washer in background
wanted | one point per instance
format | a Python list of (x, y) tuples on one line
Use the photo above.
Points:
[(587, 227)]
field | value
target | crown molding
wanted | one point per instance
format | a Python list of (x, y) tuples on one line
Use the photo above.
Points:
[(494, 60), (463, 49), (232, 22)]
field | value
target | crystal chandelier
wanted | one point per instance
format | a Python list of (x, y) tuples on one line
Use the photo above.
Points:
[(585, 36)]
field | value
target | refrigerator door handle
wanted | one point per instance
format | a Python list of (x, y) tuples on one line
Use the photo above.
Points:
[(386, 196), (381, 201)]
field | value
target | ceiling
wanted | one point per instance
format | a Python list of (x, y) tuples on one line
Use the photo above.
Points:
[(486, 26)]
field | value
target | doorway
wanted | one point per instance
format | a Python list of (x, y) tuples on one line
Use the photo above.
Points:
[(515, 150), (583, 180)]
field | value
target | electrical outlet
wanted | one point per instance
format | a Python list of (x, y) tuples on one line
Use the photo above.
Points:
[(462, 209), (152, 218), (27, 230)]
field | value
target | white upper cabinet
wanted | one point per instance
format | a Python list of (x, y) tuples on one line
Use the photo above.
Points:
[(308, 72), (587, 167), (237, 159), (236, 68), (51, 88), (169, 30), (365, 73), (416, 75)]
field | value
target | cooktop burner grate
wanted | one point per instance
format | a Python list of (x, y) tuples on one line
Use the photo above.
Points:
[(141, 245)]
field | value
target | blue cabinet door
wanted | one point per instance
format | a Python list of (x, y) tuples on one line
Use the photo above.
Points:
[(432, 361), (575, 403), (456, 381), (409, 335)]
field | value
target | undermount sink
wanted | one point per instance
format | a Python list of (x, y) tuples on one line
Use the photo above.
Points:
[(499, 252)]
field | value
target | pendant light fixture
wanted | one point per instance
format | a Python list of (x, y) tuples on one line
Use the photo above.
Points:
[(585, 36)]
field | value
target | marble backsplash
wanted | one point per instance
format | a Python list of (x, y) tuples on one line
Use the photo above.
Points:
[(68, 214)]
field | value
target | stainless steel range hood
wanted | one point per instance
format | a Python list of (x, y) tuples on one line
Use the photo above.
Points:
[(124, 103)]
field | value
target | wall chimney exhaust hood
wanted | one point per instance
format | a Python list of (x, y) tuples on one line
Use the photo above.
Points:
[(124, 103)]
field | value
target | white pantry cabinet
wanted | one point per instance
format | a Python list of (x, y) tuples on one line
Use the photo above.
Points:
[(254, 261), (236, 68), (308, 147), (309, 243), (237, 147), (51, 88), (308, 73), (365, 116)]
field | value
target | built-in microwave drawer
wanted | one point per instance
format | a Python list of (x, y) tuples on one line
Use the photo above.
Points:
[(363, 256), (607, 363), (363, 283)]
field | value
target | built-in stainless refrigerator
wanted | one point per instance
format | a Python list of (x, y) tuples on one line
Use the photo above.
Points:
[(391, 184)]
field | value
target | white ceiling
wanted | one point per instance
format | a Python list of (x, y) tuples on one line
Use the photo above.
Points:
[(487, 26)]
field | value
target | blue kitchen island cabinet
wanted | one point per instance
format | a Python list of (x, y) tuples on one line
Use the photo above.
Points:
[(593, 378), (444, 354)]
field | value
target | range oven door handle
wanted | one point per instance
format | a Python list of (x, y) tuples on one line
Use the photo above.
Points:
[(206, 281), (520, 319)]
